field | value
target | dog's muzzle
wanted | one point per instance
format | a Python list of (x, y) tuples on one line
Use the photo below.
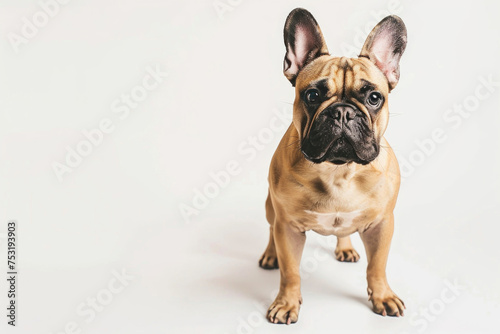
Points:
[(340, 134)]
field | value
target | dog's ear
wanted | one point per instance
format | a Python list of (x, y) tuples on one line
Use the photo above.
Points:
[(303, 41), (385, 46)]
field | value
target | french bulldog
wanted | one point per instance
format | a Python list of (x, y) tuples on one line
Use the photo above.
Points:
[(333, 171)]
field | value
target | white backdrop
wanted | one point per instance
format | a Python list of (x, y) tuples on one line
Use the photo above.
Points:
[(117, 121)]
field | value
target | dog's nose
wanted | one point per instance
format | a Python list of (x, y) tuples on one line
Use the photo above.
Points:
[(343, 113)]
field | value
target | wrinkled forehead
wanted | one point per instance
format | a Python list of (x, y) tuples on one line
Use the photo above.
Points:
[(335, 74)]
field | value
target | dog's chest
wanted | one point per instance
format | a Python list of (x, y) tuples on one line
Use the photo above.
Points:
[(345, 209), (338, 223)]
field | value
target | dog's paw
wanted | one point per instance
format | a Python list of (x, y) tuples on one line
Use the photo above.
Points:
[(268, 261), (346, 255), (284, 310), (387, 303)]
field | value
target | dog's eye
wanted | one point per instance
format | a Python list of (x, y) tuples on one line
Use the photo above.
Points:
[(312, 96), (374, 99)]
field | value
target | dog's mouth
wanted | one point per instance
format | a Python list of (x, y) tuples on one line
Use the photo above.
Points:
[(340, 151), (340, 161)]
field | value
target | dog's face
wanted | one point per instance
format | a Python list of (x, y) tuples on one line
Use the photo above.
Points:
[(341, 108)]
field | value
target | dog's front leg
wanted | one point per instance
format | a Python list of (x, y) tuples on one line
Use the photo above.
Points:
[(289, 245), (377, 241)]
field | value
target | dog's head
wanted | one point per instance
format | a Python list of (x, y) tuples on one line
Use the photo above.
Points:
[(341, 109)]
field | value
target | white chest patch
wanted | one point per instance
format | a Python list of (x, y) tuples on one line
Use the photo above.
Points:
[(335, 221)]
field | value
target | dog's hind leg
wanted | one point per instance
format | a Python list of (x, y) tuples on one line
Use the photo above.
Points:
[(344, 252)]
